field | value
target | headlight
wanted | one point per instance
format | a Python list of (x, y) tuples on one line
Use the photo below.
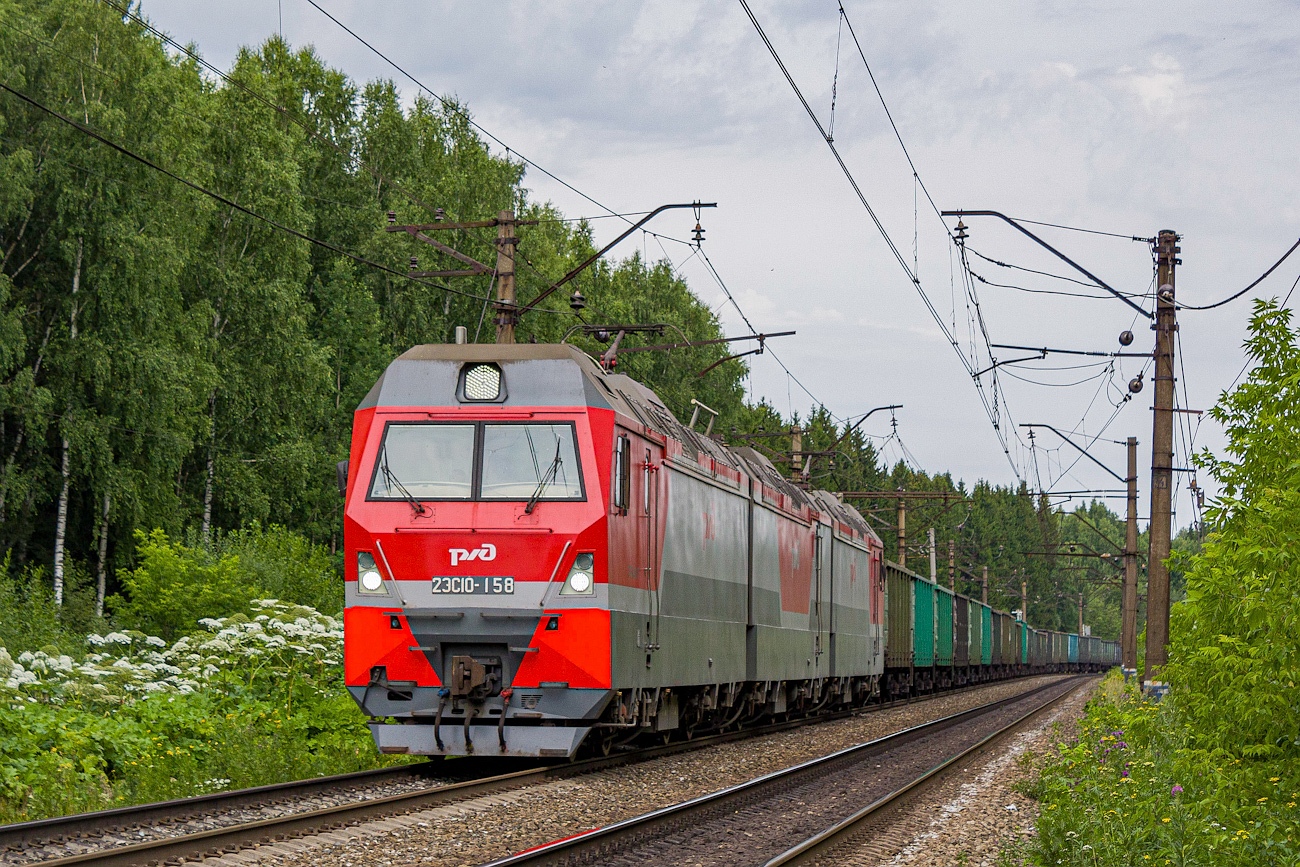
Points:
[(582, 578), (368, 578)]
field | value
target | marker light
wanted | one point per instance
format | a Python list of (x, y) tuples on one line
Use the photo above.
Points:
[(368, 578), (581, 580)]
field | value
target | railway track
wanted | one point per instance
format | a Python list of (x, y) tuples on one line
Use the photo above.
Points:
[(225, 822), (801, 813)]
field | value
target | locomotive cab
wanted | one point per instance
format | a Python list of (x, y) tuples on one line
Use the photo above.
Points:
[(476, 610)]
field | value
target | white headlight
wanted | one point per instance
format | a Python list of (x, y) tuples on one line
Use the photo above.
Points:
[(368, 578), (580, 581), (483, 382)]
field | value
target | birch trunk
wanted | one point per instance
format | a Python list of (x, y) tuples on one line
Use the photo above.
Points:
[(101, 577), (61, 521), (61, 524), (205, 529)]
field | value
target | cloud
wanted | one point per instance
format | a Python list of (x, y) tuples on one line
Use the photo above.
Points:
[(1161, 88)]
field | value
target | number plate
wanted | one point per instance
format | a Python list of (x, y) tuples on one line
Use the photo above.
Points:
[(474, 585)]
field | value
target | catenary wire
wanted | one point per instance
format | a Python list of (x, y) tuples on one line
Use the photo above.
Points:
[(893, 248), (1236, 295), (1062, 277), (1062, 292), (1087, 231)]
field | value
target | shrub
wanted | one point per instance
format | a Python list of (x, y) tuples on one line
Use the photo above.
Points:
[(175, 585), (284, 565), (1135, 789), (29, 619)]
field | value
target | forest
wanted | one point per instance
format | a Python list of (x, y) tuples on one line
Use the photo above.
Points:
[(197, 288)]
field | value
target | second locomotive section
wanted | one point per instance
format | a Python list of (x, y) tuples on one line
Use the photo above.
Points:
[(545, 556)]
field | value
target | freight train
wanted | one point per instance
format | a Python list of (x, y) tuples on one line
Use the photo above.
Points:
[(542, 559)]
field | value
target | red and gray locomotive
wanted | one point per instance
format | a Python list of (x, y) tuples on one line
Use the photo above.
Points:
[(542, 558)]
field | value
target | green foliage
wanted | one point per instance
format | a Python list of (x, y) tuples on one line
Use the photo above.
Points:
[(1228, 733), (1137, 789), (252, 699), (202, 366), (175, 585), (283, 564), (29, 619)]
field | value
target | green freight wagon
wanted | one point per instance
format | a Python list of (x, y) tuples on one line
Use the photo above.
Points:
[(997, 655), (922, 622), (1074, 650), (943, 627), (899, 638)]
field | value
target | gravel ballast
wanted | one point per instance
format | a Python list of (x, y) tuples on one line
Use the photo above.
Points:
[(975, 814), (478, 830), (285, 806)]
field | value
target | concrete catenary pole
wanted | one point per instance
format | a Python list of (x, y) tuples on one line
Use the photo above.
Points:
[(1128, 602), (984, 587), (902, 532), (952, 565), (1162, 458), (507, 312)]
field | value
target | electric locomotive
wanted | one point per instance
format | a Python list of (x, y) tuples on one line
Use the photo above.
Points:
[(541, 556)]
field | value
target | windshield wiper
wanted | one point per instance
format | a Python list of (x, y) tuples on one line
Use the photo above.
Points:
[(545, 480), (394, 482)]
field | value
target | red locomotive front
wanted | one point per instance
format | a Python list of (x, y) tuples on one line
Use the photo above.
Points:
[(477, 611)]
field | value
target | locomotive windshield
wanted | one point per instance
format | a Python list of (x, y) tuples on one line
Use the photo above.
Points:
[(530, 461), (425, 461), (432, 461)]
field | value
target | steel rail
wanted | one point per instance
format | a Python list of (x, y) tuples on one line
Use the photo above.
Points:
[(243, 835), (839, 833), (637, 827), (43, 831)]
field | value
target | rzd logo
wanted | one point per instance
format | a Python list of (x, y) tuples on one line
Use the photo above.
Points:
[(486, 551)]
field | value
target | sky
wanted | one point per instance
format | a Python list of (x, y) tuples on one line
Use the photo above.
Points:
[(1106, 116)]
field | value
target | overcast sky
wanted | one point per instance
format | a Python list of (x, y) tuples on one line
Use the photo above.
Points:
[(1109, 116)]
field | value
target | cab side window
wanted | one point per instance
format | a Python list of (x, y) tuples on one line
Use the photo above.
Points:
[(620, 488)]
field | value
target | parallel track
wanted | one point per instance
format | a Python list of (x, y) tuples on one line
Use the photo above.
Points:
[(772, 811), (467, 777)]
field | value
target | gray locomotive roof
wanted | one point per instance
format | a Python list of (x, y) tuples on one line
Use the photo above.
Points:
[(535, 374), (559, 374)]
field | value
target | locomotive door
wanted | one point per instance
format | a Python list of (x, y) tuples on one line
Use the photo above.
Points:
[(822, 609), (650, 501)]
